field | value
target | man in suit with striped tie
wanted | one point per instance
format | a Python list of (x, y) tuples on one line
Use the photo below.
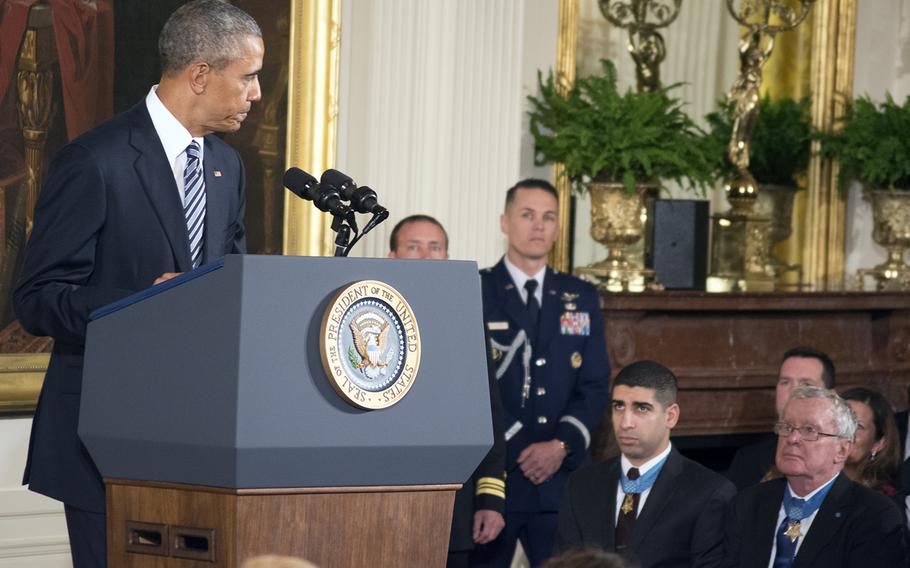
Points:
[(131, 203)]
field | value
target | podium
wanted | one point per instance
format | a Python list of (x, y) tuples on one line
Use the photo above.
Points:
[(208, 411)]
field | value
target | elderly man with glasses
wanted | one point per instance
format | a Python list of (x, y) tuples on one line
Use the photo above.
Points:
[(814, 515)]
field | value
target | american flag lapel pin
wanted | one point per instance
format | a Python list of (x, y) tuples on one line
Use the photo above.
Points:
[(217, 173)]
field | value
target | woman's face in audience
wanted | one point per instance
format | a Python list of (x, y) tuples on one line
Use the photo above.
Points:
[(865, 433)]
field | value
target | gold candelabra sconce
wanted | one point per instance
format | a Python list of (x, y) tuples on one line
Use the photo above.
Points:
[(741, 252), (642, 19)]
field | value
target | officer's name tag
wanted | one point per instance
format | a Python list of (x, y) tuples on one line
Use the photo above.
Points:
[(497, 325), (575, 323)]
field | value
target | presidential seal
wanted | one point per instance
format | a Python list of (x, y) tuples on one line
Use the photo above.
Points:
[(370, 344)]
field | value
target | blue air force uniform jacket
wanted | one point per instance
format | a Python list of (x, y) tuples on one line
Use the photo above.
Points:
[(554, 385)]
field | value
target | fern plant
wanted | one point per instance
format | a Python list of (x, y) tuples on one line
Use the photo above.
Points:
[(874, 144), (781, 141), (599, 134)]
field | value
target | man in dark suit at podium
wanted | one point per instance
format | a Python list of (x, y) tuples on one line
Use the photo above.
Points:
[(814, 515), (138, 199), (651, 504), (800, 366), (546, 335), (477, 513)]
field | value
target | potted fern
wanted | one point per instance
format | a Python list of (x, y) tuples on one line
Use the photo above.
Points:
[(873, 147), (617, 146), (779, 156)]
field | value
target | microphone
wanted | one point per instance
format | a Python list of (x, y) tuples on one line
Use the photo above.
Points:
[(364, 201), (339, 181), (330, 201), (301, 184), (305, 186)]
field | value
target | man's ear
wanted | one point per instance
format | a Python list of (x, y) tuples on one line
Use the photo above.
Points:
[(199, 76), (672, 415), (843, 450)]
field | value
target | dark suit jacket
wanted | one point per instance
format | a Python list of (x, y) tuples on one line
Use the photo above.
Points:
[(486, 487), (752, 462), (904, 475), (854, 527), (570, 376), (107, 223), (681, 523)]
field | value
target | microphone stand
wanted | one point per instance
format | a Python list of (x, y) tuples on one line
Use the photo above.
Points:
[(342, 224), (375, 220)]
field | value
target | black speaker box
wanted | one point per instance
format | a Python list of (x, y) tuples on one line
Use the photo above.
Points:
[(680, 243)]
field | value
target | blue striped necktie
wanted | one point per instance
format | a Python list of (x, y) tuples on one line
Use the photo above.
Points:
[(194, 201)]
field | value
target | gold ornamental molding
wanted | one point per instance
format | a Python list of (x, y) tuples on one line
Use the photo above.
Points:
[(315, 53), (833, 46), (566, 46), (21, 376)]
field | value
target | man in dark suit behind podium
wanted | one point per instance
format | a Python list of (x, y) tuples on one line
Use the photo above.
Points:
[(814, 516), (135, 201), (651, 504), (477, 511)]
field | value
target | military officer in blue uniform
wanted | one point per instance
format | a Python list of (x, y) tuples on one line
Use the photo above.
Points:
[(547, 342)]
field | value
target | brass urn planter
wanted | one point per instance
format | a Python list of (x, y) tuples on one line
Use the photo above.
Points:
[(617, 222), (775, 202), (891, 220)]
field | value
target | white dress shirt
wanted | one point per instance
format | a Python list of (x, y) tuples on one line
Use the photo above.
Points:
[(519, 278), (626, 465), (174, 137)]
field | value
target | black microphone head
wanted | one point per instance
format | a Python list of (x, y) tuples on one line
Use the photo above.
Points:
[(365, 201), (334, 177), (343, 183), (301, 183)]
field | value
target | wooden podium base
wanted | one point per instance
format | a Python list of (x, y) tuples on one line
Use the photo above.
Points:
[(157, 525)]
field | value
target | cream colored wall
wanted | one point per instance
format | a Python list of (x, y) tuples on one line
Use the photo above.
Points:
[(882, 65), (32, 528), (432, 110)]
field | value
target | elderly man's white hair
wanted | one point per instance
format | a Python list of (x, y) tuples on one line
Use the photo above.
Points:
[(843, 414)]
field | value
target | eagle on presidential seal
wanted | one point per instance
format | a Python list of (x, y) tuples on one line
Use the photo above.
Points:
[(371, 338)]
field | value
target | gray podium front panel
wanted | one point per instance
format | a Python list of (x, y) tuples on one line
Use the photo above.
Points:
[(219, 381)]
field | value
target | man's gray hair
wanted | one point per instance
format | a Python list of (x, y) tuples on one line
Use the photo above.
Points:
[(209, 31), (843, 414)]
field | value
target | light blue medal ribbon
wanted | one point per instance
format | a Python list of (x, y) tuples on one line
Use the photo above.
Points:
[(798, 509), (644, 482)]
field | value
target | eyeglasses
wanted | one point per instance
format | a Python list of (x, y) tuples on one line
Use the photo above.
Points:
[(806, 433)]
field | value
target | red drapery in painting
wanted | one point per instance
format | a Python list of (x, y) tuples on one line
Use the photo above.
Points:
[(84, 35)]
